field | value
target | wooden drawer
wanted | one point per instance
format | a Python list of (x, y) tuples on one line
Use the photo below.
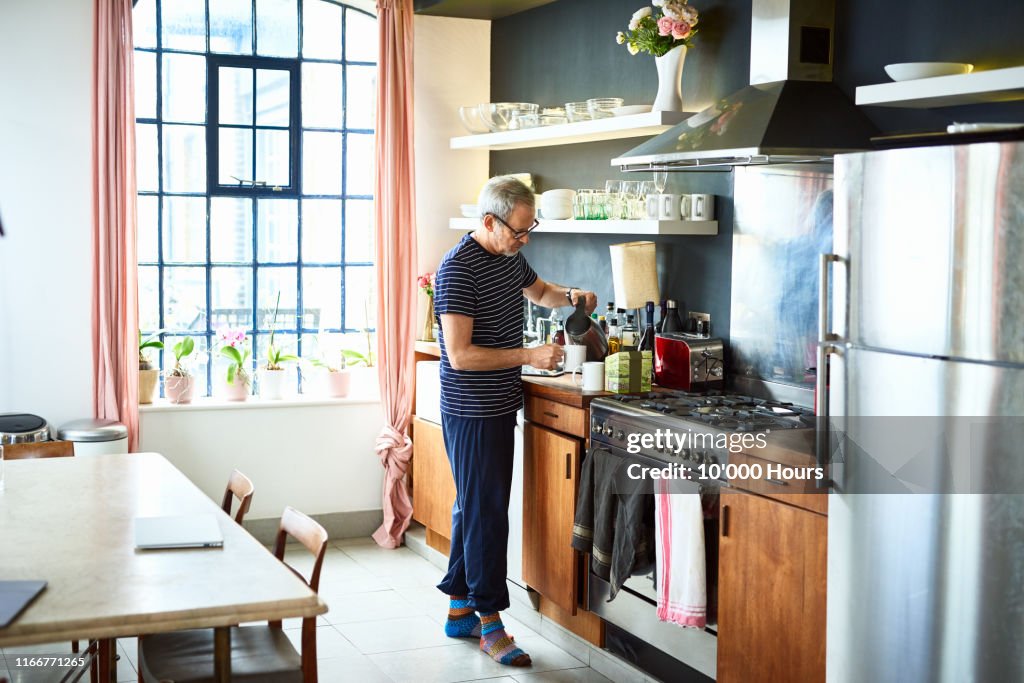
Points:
[(781, 485), (557, 416)]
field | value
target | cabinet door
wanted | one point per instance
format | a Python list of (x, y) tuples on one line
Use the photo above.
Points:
[(433, 483), (551, 465), (771, 592)]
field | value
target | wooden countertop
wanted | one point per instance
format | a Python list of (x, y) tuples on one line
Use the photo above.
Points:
[(560, 389)]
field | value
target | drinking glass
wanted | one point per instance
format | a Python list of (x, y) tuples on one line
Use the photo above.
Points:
[(647, 188), (598, 206), (581, 204), (631, 199), (613, 188), (660, 180)]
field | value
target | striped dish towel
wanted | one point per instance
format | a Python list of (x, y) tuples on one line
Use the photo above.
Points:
[(679, 557)]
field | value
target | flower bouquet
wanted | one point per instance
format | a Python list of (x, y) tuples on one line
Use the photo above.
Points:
[(674, 26), (234, 348)]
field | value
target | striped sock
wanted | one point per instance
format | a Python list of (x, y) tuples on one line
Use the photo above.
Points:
[(462, 621), (499, 645)]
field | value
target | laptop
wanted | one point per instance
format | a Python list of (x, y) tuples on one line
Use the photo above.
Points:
[(178, 531), (15, 596)]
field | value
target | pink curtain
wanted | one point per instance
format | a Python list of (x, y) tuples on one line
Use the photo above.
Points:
[(395, 200), (115, 314)]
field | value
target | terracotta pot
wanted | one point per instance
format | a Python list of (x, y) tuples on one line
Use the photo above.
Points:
[(238, 390), (179, 389), (338, 383), (147, 385)]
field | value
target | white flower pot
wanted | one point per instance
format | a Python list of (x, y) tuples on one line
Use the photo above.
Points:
[(670, 73), (179, 389), (337, 384), (237, 390), (272, 383)]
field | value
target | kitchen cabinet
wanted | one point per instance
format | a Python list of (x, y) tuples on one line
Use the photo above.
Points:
[(434, 486), (994, 85), (771, 588)]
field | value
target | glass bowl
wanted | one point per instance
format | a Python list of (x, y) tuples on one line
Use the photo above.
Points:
[(578, 111), (471, 121), (498, 115), (601, 107)]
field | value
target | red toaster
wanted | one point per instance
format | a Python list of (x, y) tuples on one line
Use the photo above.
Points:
[(688, 362)]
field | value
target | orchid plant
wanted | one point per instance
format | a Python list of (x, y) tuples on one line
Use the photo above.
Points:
[(150, 342), (234, 348), (275, 355), (182, 350), (675, 25)]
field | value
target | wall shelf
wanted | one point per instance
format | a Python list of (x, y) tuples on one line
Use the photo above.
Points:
[(609, 227), (996, 85), (614, 128)]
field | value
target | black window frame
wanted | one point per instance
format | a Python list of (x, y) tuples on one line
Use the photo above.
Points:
[(214, 187)]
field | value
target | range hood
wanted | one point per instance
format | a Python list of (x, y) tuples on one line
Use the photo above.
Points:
[(791, 112)]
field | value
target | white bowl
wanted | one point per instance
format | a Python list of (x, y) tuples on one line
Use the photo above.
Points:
[(469, 210), (556, 212), (559, 194), (910, 71)]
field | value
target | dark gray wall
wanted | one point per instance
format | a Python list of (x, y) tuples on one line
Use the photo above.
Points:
[(566, 52)]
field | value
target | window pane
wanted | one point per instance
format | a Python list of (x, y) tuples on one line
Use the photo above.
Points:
[(272, 158), (146, 173), (145, 85), (231, 26), (184, 88), (184, 159), (270, 281), (235, 99), (321, 30), (359, 231), (149, 298), (321, 163), (359, 160), (144, 23), (277, 231), (273, 97), (321, 230), (360, 301), (231, 298), (360, 37), (183, 23), (321, 298), (321, 95), (230, 230), (184, 298), (277, 32), (361, 97), (148, 207), (184, 229), (195, 362), (235, 156)]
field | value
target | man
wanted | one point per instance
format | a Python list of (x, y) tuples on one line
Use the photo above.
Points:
[(478, 294)]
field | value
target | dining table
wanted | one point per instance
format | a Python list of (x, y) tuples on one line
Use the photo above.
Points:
[(70, 522)]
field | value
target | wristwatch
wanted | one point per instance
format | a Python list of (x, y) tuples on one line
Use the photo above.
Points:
[(568, 294)]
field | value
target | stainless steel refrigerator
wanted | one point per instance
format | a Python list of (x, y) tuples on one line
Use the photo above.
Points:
[(925, 391)]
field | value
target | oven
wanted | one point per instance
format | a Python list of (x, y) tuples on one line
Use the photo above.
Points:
[(692, 427)]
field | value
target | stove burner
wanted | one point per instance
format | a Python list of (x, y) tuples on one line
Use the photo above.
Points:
[(727, 412)]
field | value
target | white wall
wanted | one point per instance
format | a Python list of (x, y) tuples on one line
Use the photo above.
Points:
[(453, 68), (46, 204)]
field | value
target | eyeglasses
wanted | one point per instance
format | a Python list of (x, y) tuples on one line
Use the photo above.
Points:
[(518, 234)]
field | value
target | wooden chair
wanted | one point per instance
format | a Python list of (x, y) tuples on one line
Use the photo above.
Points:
[(258, 653), (240, 487)]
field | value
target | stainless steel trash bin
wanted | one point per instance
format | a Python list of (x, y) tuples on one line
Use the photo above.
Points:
[(95, 437)]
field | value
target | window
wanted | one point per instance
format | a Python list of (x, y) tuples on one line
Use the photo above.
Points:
[(254, 128)]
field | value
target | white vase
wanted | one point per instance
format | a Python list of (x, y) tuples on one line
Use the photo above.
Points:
[(670, 73), (272, 383)]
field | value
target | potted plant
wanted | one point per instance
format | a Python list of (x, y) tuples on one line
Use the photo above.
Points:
[(234, 348), (179, 384), (337, 380), (272, 375), (148, 373)]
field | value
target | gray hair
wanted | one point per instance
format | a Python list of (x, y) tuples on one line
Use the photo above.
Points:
[(501, 194)]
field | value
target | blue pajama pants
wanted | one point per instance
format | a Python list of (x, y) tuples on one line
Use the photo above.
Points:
[(480, 450)]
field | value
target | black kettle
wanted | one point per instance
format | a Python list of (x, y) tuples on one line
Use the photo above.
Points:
[(581, 329)]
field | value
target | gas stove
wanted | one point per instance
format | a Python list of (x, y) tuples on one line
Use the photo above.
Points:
[(698, 428)]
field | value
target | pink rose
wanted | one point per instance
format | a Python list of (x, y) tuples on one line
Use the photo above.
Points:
[(665, 25), (680, 29)]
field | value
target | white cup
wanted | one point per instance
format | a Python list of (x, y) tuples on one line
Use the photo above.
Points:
[(575, 354), (702, 207), (592, 375), (685, 206), (663, 207)]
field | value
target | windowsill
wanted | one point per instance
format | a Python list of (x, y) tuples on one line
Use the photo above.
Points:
[(162, 405)]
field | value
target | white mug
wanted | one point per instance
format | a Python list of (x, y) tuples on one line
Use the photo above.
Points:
[(575, 354), (668, 206), (685, 206), (592, 375), (702, 207)]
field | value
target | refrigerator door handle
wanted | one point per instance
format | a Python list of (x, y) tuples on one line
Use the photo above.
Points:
[(826, 345)]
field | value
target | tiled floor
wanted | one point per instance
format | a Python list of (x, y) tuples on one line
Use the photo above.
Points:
[(385, 624)]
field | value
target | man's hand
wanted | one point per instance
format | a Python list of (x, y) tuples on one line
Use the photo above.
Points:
[(546, 357), (590, 297)]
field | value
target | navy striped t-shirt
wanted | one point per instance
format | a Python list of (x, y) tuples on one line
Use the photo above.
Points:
[(488, 288)]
